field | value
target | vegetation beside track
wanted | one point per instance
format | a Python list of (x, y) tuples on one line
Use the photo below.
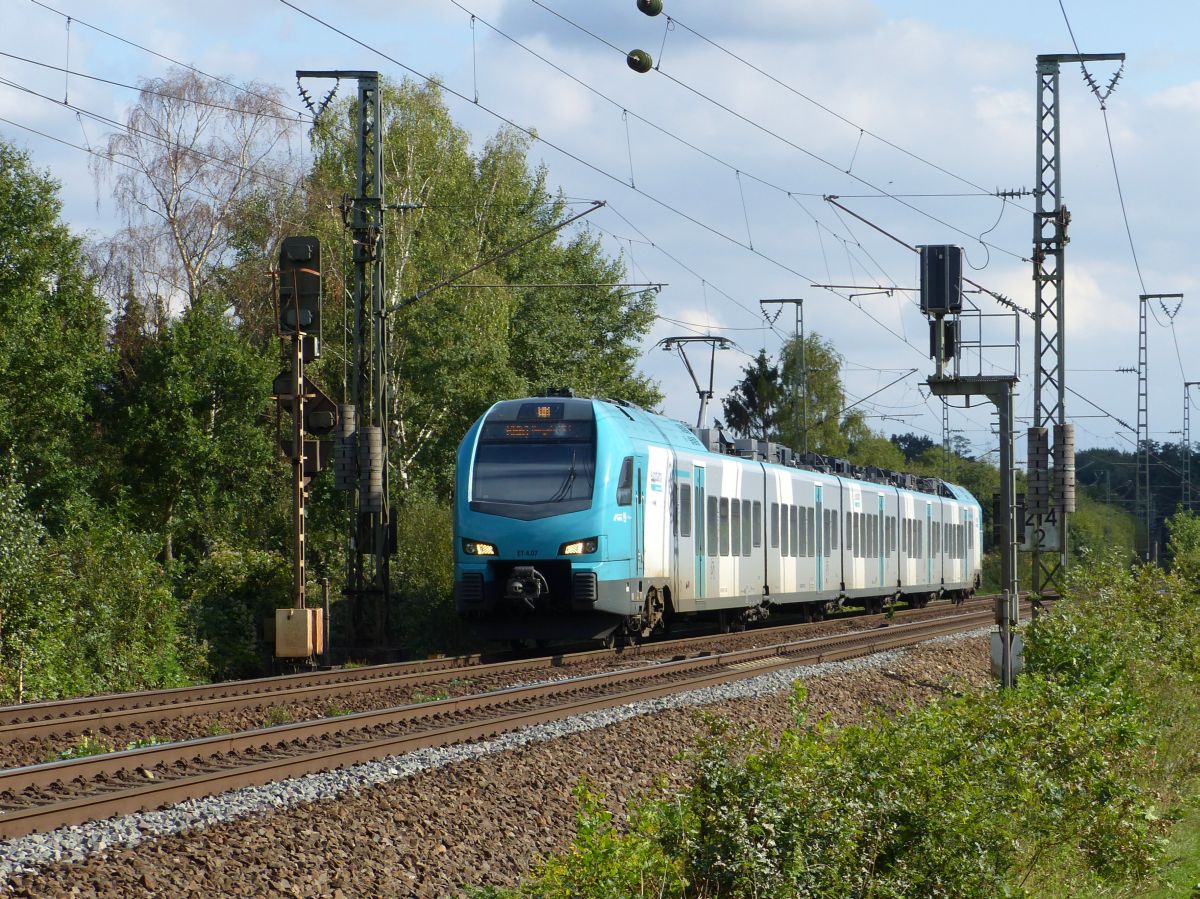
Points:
[(1067, 785)]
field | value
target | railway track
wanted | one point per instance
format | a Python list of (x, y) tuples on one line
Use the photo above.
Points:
[(46, 796), (36, 723)]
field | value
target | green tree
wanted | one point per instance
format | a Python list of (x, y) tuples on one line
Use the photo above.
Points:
[(459, 349), (197, 465), (912, 445), (52, 339), (754, 406), (879, 451), (770, 400)]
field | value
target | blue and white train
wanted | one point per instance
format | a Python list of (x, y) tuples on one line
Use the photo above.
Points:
[(588, 518)]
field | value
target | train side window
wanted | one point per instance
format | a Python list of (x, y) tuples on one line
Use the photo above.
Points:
[(625, 483), (835, 528), (802, 535), (714, 526), (970, 535), (747, 521), (921, 539), (757, 523), (825, 530), (685, 510), (699, 520), (812, 532), (774, 525), (874, 541), (783, 530), (794, 517), (674, 509), (736, 525), (724, 525), (849, 532)]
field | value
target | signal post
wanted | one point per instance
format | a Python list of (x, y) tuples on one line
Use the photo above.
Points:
[(941, 301), (300, 631)]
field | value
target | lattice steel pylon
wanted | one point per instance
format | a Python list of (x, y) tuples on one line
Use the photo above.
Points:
[(1050, 222), (1188, 505), (1142, 503), (371, 536)]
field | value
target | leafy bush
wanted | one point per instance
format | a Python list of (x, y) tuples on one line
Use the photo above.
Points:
[(1062, 786), (85, 747), (423, 575), (231, 591), (86, 611)]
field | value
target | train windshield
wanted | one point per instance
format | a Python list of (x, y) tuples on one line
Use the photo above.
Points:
[(532, 470)]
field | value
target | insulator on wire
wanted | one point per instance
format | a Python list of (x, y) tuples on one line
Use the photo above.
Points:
[(1064, 467), (370, 469), (639, 61), (1037, 500), (345, 450)]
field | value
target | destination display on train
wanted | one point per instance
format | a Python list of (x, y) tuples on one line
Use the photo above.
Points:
[(537, 430)]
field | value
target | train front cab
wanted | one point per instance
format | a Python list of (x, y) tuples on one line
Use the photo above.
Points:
[(554, 506)]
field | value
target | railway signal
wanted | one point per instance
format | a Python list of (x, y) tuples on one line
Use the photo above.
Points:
[(299, 631)]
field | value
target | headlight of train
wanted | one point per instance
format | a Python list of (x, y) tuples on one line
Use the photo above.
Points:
[(579, 547), (475, 548)]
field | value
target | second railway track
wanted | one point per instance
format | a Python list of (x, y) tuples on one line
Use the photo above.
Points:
[(47, 796)]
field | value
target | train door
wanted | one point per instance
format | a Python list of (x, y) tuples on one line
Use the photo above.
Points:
[(639, 515), (928, 543), (880, 543), (820, 520), (698, 482), (657, 512)]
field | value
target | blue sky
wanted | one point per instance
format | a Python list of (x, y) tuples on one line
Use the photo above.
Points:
[(951, 83)]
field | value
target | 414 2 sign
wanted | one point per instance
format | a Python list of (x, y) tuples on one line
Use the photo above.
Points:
[(1043, 532)]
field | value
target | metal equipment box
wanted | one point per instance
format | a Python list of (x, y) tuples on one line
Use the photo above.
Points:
[(941, 279), (299, 633)]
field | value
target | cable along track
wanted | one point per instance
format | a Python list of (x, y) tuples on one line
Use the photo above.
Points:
[(43, 797)]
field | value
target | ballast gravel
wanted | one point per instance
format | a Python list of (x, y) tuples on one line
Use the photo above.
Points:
[(430, 823)]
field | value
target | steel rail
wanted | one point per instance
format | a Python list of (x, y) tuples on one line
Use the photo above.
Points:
[(75, 716), (667, 677)]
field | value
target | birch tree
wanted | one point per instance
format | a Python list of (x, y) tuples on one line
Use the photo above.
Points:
[(190, 153)]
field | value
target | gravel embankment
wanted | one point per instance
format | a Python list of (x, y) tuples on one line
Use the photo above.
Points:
[(423, 826)]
